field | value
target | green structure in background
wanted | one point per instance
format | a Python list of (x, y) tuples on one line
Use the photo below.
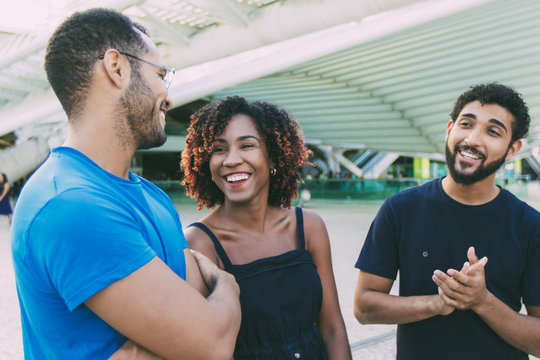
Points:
[(517, 167), (421, 168)]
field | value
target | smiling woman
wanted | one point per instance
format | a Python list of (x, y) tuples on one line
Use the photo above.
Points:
[(244, 157), (240, 158), (275, 127)]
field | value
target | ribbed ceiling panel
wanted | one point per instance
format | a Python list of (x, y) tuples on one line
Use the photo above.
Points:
[(408, 82)]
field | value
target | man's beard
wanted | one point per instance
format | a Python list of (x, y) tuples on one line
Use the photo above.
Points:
[(141, 114), (483, 171)]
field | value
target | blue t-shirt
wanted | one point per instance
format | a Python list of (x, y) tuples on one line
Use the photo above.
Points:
[(423, 229), (76, 230)]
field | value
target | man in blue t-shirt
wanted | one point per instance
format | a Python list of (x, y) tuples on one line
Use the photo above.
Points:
[(100, 258), (453, 303)]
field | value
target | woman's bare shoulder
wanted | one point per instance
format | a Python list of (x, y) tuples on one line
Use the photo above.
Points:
[(315, 231), (199, 240), (312, 220)]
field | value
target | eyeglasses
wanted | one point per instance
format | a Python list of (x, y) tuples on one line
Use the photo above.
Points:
[(167, 77)]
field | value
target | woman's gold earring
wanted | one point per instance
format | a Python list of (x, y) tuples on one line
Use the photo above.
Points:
[(273, 171)]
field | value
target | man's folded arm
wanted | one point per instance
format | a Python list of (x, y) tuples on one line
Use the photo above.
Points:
[(157, 309)]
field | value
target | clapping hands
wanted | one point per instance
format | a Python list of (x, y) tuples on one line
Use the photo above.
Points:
[(464, 289)]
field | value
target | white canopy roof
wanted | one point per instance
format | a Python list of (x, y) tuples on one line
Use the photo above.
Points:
[(379, 74)]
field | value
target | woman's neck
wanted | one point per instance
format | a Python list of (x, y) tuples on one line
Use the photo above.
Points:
[(253, 217)]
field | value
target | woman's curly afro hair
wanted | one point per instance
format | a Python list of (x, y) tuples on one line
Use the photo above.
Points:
[(282, 136)]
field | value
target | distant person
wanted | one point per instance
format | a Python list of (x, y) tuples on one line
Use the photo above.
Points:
[(5, 205), (244, 158), (453, 303), (99, 252)]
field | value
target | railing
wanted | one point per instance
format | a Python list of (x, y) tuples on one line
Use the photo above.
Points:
[(349, 189), (322, 189)]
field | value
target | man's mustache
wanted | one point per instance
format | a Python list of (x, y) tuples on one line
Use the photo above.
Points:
[(470, 149)]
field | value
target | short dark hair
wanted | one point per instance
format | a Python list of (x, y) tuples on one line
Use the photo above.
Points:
[(78, 43), (283, 139), (503, 96)]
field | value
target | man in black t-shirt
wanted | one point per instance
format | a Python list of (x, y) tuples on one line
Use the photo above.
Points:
[(453, 302)]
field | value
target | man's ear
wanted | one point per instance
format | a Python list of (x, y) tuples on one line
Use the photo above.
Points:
[(116, 67), (514, 148), (449, 126)]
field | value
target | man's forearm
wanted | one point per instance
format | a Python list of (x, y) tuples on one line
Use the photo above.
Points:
[(224, 298), (519, 330), (376, 307)]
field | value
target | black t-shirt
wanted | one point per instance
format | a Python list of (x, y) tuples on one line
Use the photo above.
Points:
[(423, 229)]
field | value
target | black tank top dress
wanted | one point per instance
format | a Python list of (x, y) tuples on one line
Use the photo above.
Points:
[(280, 297)]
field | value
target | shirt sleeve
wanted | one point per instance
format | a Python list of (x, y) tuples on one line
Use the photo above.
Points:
[(83, 243), (380, 252), (182, 242)]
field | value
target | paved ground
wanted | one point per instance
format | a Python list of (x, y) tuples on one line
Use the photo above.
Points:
[(347, 224), (10, 324)]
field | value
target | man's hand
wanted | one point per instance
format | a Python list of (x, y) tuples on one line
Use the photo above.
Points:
[(132, 351), (210, 272), (157, 309), (465, 289), (443, 308)]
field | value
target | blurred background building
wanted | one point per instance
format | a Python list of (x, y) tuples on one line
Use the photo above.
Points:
[(371, 82)]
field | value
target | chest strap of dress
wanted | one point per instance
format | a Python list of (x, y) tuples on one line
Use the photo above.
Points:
[(217, 245), (223, 255), (300, 227)]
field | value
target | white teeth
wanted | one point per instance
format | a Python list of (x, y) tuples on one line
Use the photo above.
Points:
[(237, 177), (470, 156)]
